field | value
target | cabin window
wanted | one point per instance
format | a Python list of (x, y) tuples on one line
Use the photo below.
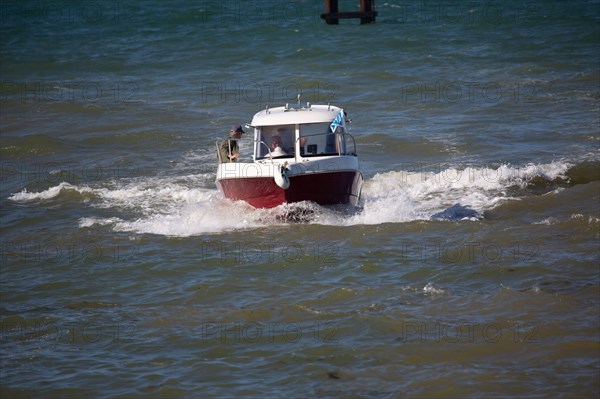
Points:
[(318, 139), (271, 137)]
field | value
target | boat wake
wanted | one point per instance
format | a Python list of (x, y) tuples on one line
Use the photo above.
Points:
[(191, 205), (301, 212)]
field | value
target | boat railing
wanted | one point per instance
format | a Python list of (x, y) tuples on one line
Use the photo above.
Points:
[(346, 136), (270, 155), (218, 144), (349, 141), (261, 143), (220, 155)]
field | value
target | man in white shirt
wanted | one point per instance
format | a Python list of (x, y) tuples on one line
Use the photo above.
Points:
[(276, 150)]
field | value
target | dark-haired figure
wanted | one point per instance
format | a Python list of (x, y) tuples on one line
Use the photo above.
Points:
[(229, 150)]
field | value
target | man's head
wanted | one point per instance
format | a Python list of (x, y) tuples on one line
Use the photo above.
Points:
[(236, 131), (275, 141)]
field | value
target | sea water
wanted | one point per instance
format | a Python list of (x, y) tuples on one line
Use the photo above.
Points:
[(470, 267)]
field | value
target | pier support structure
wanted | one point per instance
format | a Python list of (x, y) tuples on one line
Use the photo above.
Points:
[(366, 14)]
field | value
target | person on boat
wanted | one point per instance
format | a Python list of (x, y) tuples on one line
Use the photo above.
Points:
[(276, 150), (229, 149), (287, 139)]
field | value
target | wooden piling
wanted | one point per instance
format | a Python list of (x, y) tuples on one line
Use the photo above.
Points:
[(366, 14)]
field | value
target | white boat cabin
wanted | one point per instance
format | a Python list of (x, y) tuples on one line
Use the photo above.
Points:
[(298, 134)]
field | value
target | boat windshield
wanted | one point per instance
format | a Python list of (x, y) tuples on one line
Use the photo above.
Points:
[(318, 139), (315, 139), (278, 139)]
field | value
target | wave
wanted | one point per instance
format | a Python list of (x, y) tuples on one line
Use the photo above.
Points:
[(450, 194), (190, 205), (52, 192), (584, 172)]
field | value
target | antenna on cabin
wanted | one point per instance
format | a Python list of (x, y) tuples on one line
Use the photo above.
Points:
[(298, 98)]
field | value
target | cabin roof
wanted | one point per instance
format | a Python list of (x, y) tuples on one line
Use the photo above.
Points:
[(291, 116)]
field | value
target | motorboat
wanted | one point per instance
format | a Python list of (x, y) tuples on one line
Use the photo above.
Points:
[(300, 153)]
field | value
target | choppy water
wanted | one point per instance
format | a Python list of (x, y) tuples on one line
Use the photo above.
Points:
[(470, 269)]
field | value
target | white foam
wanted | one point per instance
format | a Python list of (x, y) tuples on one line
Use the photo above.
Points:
[(52, 192), (590, 219), (401, 196), (432, 289), (92, 221), (190, 205), (213, 216), (548, 221)]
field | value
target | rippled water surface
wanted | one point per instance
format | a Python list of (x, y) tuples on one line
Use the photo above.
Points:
[(469, 269)]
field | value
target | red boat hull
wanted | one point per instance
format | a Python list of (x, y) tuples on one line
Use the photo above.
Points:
[(340, 187)]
